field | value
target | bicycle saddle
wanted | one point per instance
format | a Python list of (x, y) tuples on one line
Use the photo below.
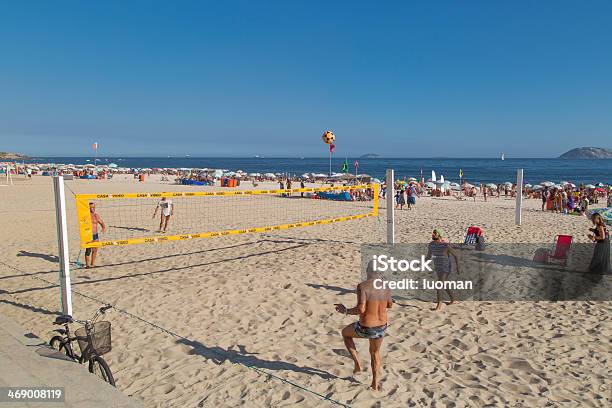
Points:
[(63, 319)]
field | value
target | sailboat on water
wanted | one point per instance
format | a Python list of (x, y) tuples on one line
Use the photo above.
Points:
[(503, 157)]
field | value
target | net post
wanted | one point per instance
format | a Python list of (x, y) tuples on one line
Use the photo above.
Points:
[(62, 241), (519, 197), (390, 206)]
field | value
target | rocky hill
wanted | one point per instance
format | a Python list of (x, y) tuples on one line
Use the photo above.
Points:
[(12, 156), (587, 153)]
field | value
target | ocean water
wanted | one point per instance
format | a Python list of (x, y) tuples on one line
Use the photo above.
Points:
[(474, 170)]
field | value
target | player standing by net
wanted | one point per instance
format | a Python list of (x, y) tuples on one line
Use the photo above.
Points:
[(167, 211), (90, 253)]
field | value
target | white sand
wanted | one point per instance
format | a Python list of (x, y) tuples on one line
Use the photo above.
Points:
[(267, 301)]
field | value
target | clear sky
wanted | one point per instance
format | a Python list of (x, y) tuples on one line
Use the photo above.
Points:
[(239, 78)]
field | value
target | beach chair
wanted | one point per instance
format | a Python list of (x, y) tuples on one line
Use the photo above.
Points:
[(472, 235), (563, 245)]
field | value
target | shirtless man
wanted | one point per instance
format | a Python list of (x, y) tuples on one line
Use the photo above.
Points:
[(167, 210), (90, 253), (372, 305)]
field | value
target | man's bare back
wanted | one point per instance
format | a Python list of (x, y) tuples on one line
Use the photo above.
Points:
[(377, 301)]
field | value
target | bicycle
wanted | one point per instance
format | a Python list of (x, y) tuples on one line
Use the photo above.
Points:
[(94, 339)]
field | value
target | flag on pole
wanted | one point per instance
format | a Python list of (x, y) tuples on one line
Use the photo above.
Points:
[(345, 166), (331, 147), (95, 146), (460, 173)]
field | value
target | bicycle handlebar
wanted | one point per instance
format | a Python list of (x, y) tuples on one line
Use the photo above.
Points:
[(100, 312)]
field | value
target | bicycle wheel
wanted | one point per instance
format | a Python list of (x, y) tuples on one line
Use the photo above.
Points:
[(98, 366), (57, 343)]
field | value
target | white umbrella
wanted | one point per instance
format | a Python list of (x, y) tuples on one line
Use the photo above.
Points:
[(112, 165), (507, 183), (537, 187), (590, 186), (270, 175), (547, 183), (492, 186), (429, 184), (375, 180), (528, 185)]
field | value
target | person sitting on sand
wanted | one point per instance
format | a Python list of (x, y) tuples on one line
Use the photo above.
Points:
[(372, 305), (90, 253), (439, 249), (167, 210)]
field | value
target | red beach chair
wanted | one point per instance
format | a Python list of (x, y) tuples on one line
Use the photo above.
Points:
[(472, 235), (562, 249)]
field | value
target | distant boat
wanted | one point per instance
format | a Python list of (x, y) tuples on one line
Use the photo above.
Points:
[(257, 156), (187, 155), (503, 157)]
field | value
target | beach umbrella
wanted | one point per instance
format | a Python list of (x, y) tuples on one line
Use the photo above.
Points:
[(600, 184), (537, 187), (589, 186), (412, 179), (429, 184), (528, 186), (375, 180), (455, 186), (492, 186), (507, 183), (605, 212)]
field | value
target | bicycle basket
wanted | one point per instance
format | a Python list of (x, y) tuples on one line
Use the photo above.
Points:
[(99, 338)]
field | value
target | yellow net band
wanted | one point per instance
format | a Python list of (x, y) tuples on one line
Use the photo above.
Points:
[(219, 193)]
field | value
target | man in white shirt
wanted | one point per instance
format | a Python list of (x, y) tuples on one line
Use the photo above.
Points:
[(167, 210)]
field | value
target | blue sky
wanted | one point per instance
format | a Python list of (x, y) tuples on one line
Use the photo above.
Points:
[(238, 78)]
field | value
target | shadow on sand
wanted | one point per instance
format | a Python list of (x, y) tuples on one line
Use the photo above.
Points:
[(218, 355)]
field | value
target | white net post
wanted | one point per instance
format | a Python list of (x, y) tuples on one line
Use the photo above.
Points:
[(390, 207), (518, 216), (62, 241)]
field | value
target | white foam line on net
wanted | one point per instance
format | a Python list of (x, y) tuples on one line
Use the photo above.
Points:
[(176, 335)]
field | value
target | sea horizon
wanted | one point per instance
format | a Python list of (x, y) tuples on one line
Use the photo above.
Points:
[(487, 170)]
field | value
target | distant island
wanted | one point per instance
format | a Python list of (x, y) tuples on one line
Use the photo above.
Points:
[(369, 156), (12, 156), (591, 153)]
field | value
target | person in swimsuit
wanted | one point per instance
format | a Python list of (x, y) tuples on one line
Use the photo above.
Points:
[(90, 253), (439, 249), (372, 305), (167, 210)]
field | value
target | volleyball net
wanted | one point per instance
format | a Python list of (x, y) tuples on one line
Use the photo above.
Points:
[(131, 218)]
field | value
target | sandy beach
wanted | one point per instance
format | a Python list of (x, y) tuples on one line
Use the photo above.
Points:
[(202, 323)]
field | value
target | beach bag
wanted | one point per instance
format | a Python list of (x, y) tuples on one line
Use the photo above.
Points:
[(480, 243)]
